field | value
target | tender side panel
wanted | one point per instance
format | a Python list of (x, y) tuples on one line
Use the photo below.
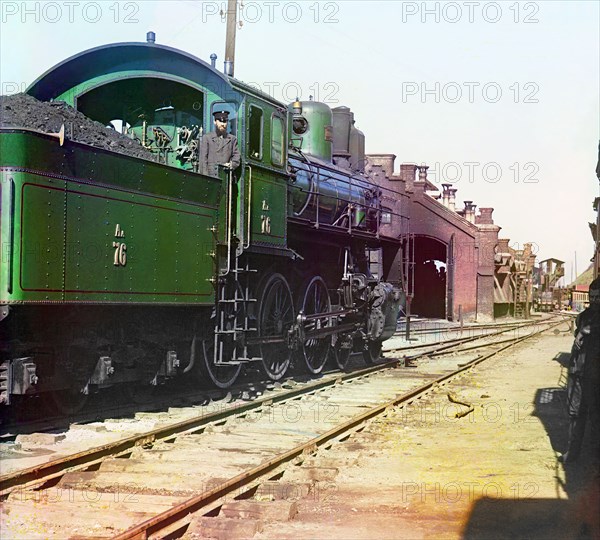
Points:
[(94, 226), (137, 248), (39, 238)]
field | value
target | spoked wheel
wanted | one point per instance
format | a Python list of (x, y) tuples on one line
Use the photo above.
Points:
[(69, 401), (275, 318), (227, 316), (372, 351), (315, 299), (341, 354), (220, 376)]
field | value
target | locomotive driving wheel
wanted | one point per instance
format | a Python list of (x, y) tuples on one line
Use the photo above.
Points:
[(227, 316), (341, 349), (372, 351), (275, 318), (314, 299), (222, 376)]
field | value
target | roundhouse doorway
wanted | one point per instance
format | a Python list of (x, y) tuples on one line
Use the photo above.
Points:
[(431, 278)]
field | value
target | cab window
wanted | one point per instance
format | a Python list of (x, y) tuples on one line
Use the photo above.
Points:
[(277, 140), (255, 132)]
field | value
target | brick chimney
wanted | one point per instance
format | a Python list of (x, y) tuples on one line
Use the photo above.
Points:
[(503, 245), (472, 213), (469, 211), (423, 173), (385, 160), (484, 217), (407, 174), (445, 194), (452, 199), (377, 173)]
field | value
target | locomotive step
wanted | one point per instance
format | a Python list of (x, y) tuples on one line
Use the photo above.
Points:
[(236, 330), (240, 360)]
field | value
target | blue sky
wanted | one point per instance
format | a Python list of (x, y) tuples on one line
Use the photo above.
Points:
[(474, 89)]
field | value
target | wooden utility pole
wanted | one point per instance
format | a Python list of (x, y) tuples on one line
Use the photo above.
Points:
[(230, 37)]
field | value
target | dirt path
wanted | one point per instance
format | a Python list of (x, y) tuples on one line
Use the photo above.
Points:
[(423, 473)]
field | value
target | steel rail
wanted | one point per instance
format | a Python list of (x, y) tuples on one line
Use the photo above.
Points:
[(450, 344), (42, 473), (183, 510), (459, 340), (441, 329), (473, 347), (36, 425)]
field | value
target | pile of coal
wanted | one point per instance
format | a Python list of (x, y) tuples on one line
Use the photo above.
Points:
[(23, 110)]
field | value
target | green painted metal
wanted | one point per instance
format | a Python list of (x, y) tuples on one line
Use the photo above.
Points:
[(118, 60), (317, 140), (150, 102), (151, 87), (269, 183), (269, 208), (142, 85), (75, 206), (39, 250)]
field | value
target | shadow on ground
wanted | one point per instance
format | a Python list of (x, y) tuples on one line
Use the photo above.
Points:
[(578, 516)]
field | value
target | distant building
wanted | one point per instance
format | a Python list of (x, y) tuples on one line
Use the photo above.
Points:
[(514, 279), (548, 295), (580, 297)]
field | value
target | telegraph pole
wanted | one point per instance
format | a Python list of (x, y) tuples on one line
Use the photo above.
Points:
[(230, 37)]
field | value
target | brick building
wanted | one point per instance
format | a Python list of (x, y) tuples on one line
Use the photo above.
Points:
[(449, 253)]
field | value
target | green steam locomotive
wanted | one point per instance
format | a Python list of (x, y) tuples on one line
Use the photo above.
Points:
[(124, 270)]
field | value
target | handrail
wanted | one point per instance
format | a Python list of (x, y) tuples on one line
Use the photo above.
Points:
[(246, 244), (229, 212)]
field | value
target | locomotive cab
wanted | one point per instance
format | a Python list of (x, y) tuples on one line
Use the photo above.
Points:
[(161, 97)]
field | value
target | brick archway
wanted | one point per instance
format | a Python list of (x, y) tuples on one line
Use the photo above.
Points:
[(430, 278)]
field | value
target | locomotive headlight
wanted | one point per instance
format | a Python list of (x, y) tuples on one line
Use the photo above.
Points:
[(297, 107), (299, 125)]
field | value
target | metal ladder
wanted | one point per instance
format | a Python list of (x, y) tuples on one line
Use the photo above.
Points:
[(519, 312), (4, 383), (233, 300)]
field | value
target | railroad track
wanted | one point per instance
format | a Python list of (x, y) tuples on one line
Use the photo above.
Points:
[(114, 403), (278, 392), (109, 405), (427, 326), (145, 479)]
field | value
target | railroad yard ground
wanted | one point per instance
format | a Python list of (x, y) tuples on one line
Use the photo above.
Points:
[(430, 468), (423, 473)]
